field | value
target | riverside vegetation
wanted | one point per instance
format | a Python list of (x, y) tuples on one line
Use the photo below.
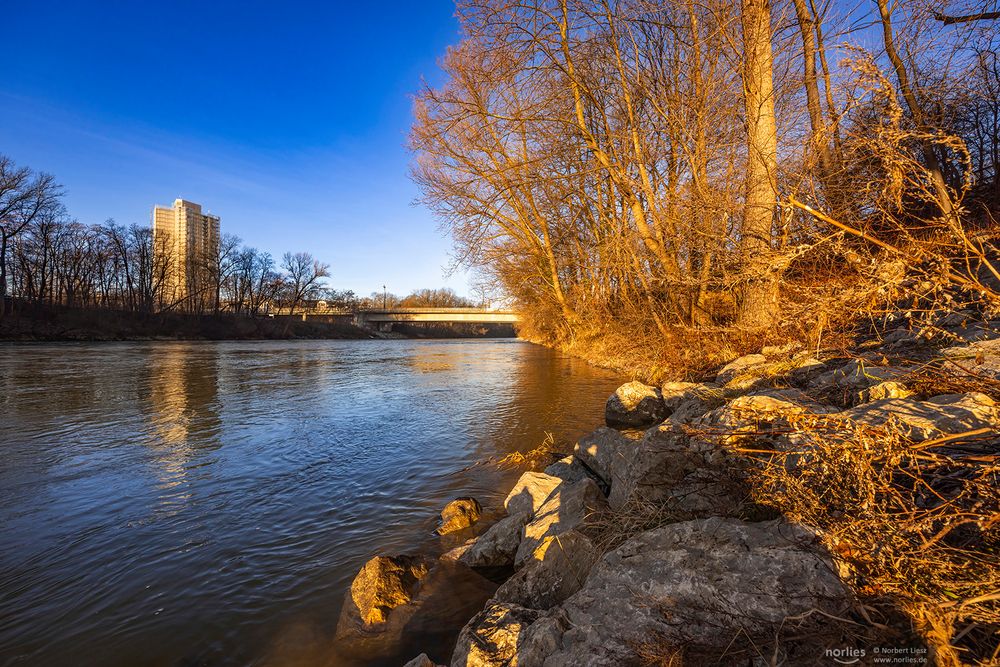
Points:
[(806, 234)]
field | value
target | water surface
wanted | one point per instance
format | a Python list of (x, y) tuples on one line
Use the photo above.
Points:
[(209, 503)]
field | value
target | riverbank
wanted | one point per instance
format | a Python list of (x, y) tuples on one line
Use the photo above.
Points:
[(799, 507), (30, 322)]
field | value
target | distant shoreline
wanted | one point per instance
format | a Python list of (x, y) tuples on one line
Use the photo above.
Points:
[(42, 323)]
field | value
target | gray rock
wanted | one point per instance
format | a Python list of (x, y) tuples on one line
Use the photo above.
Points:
[(420, 661), (981, 357), (571, 469), (766, 410), (497, 546), (635, 404), (530, 492), (858, 374), (493, 636), (599, 449), (459, 514), (921, 420), (709, 584), (556, 569), (570, 506), (680, 473)]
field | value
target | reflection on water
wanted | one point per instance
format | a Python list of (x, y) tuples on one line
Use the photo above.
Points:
[(209, 503)]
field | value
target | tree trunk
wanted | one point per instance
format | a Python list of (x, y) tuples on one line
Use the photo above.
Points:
[(3, 272), (759, 307)]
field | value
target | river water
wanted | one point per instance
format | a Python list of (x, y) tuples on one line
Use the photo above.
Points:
[(203, 503)]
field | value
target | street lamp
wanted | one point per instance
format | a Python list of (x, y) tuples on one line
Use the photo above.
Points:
[(384, 296)]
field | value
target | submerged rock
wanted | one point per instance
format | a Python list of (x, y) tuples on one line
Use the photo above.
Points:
[(530, 492), (384, 583), (635, 404), (459, 514)]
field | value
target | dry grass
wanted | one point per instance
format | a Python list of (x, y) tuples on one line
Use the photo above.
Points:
[(917, 524)]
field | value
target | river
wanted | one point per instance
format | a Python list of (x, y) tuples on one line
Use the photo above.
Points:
[(203, 503)]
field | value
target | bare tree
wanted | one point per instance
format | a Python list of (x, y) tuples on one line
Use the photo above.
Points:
[(304, 274)]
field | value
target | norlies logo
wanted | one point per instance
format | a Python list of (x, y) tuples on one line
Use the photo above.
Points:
[(846, 656)]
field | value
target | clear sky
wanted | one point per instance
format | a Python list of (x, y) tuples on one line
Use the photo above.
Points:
[(288, 119)]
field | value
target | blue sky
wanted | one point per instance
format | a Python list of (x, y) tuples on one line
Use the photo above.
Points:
[(288, 119)]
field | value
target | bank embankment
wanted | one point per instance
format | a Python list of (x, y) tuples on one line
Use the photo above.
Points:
[(795, 508)]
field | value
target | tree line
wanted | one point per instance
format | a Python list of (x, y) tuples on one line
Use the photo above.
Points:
[(721, 167), (47, 257)]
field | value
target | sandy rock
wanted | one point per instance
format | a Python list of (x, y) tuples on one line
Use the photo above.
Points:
[(883, 390), (635, 404), (711, 584), (493, 636), (684, 474), (739, 367), (599, 449), (530, 492), (459, 514), (384, 583), (497, 546), (937, 416), (570, 506), (557, 568)]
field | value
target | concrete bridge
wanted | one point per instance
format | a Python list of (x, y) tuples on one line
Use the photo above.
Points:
[(383, 319)]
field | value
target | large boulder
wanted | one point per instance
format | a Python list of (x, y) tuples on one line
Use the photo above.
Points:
[(858, 374), (921, 420), (493, 636), (708, 585), (556, 569), (459, 514), (738, 367), (599, 450), (683, 474), (750, 370), (687, 400), (530, 492), (571, 506), (497, 546), (635, 404), (421, 661)]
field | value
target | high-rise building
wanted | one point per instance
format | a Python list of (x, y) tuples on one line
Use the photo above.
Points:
[(186, 245)]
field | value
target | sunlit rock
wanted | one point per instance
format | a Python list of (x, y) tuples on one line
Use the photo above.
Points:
[(635, 404), (686, 400), (941, 415), (556, 569), (883, 390), (708, 584), (739, 367), (493, 636), (760, 412), (384, 583), (570, 506), (530, 492), (458, 514), (497, 546)]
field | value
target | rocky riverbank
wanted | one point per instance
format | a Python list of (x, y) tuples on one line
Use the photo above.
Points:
[(797, 509)]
